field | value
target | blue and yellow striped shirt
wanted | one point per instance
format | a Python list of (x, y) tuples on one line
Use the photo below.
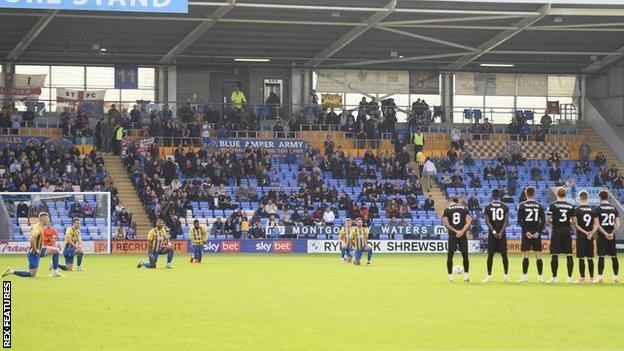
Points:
[(157, 238), (359, 237), (37, 232), (345, 235), (72, 236)]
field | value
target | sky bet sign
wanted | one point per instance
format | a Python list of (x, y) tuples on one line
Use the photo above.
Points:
[(164, 6)]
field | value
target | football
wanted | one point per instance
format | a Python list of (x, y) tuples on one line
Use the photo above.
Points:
[(458, 269)]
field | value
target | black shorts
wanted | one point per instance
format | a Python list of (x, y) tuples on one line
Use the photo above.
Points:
[(455, 243), (584, 246), (495, 245), (527, 244), (605, 247), (561, 241)]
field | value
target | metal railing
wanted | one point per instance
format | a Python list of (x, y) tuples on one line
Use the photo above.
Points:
[(569, 112)]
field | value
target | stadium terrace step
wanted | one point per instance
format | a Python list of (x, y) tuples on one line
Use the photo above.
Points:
[(598, 145), (127, 194)]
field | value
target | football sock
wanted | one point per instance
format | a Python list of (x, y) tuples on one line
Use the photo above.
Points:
[(55, 259), (80, 259), (466, 262), (449, 262), (616, 265), (540, 266), (369, 255), (554, 265), (490, 262), (525, 265), (22, 274), (62, 267), (600, 265), (582, 268), (169, 256), (570, 264), (505, 263), (590, 267)]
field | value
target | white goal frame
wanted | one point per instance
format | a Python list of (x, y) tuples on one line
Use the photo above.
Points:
[(106, 194)]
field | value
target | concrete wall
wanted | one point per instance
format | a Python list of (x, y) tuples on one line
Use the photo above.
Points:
[(193, 83), (255, 93), (607, 90), (206, 82)]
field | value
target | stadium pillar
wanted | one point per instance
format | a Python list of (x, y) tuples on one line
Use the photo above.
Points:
[(296, 90), (8, 82), (447, 95), (161, 85), (169, 83)]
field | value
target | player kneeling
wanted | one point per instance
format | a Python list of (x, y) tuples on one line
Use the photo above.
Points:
[(37, 250), (359, 240), (73, 247), (345, 242), (199, 236), (159, 244)]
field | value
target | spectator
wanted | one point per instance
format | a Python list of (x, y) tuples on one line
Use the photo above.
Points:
[(540, 134), (419, 141), (238, 99), (536, 173), (600, 160), (555, 173), (76, 211), (125, 218), (473, 204), (429, 204), (218, 228), (475, 182), (571, 186), (117, 139), (22, 210), (456, 139), (271, 230), (175, 227), (584, 151), (329, 217), (329, 145), (512, 181), (546, 122), (430, 173), (256, 231)]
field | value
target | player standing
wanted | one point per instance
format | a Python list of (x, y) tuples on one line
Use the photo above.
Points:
[(344, 236), (560, 214), (457, 221), (532, 220), (38, 250), (359, 240), (585, 229), (159, 244), (199, 236), (73, 247), (496, 219), (607, 220)]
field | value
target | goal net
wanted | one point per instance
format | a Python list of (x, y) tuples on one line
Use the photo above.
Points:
[(19, 212)]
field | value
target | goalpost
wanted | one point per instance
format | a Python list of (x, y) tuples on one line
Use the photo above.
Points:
[(19, 211)]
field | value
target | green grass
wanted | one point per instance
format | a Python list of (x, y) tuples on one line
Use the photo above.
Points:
[(306, 302)]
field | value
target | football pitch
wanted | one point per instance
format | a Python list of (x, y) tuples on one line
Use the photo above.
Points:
[(307, 302)]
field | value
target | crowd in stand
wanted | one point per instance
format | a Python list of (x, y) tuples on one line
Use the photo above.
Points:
[(166, 187), (11, 119), (55, 168)]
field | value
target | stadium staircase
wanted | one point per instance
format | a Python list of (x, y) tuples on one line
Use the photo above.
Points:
[(436, 191), (128, 196), (598, 145)]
